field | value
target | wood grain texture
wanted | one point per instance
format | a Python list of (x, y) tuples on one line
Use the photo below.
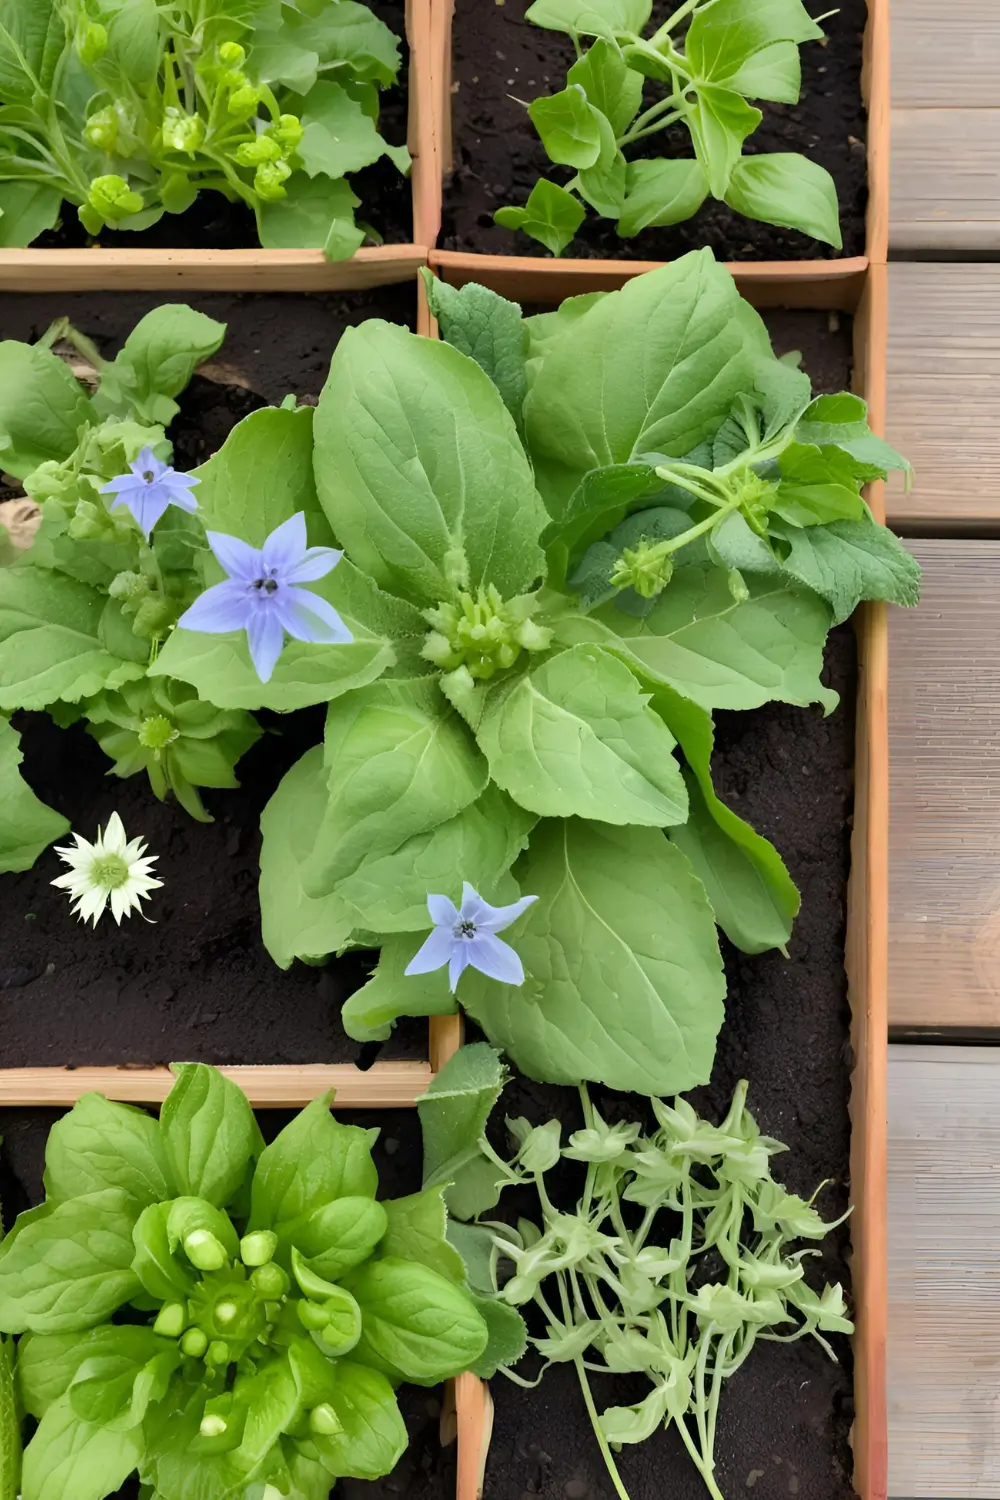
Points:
[(395, 1085), (944, 1286), (944, 730), (942, 58), (943, 367), (945, 188)]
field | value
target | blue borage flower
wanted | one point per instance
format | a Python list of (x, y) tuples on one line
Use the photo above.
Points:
[(149, 488), (467, 935), (260, 597)]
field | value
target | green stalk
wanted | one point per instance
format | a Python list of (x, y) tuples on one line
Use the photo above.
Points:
[(637, 135), (10, 1426), (682, 10), (602, 1441)]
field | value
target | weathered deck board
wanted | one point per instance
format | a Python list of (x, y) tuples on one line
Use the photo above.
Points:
[(943, 413), (944, 1273), (944, 841), (945, 189)]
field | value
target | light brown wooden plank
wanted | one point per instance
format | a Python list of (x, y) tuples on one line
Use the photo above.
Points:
[(944, 1286), (945, 187), (944, 392), (205, 270), (944, 843), (943, 57), (389, 1085)]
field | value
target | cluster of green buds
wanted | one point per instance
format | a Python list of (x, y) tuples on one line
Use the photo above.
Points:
[(109, 200), (180, 131), (483, 632), (150, 610), (91, 40), (647, 568), (270, 153), (754, 498)]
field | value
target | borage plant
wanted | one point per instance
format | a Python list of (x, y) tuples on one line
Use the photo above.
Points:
[(229, 1319), (676, 1258), (566, 540), (702, 66), (120, 553), (128, 109)]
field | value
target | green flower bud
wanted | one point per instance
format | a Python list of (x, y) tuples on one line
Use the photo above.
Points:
[(232, 54), (258, 1248), (124, 586), (269, 180), (194, 1343), (170, 1320), (324, 1420), (213, 1426), (87, 522), (254, 153), (153, 616), (156, 733), (243, 102), (270, 1281), (226, 1312), (312, 1316), (205, 1251), (91, 221), (217, 1353), (643, 568), (91, 41), (181, 132), (288, 131), (112, 198), (101, 130)]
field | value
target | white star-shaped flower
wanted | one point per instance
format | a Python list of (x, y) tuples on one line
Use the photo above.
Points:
[(113, 870)]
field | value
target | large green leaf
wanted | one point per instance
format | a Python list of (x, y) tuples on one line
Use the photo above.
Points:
[(716, 650), (338, 135), (723, 37), (453, 1115), (68, 1459), (71, 1267), (661, 192), (373, 1435), (27, 826), (849, 561), (371, 1012), (50, 641), (42, 408), (575, 738), (313, 1161), (315, 214), (32, 38), (590, 17), (103, 1144), (400, 761), (488, 328), (27, 209), (786, 188), (624, 978), (419, 463), (294, 925), (594, 403), (416, 1323), (209, 1134), (569, 127), (156, 363)]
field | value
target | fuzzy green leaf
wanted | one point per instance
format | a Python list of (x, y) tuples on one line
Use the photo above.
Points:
[(27, 826), (489, 329), (453, 1115)]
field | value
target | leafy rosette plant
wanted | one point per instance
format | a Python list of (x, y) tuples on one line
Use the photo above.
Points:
[(567, 540), (119, 555), (703, 65), (128, 109), (226, 1318)]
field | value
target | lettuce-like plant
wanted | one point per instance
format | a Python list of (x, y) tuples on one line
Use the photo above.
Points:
[(129, 109), (226, 1318), (567, 540), (705, 63), (85, 608)]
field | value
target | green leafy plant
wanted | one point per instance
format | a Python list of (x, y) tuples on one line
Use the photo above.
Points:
[(85, 608), (224, 1317), (129, 109), (559, 559), (674, 1261), (704, 64)]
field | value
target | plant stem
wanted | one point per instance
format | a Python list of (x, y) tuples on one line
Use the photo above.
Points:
[(674, 20), (602, 1441), (704, 1468)]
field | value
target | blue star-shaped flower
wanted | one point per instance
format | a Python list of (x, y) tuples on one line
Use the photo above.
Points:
[(260, 596), (468, 935), (149, 487)]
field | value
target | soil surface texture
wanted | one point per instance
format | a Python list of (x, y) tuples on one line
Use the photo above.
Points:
[(195, 983), (212, 223), (502, 62), (426, 1471)]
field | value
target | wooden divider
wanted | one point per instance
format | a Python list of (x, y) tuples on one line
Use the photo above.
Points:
[(260, 270)]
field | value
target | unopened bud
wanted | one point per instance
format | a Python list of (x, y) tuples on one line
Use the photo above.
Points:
[(270, 1281), (232, 54), (91, 41), (324, 1420), (257, 1248), (194, 1343), (205, 1251), (213, 1426), (226, 1312), (217, 1353), (270, 178), (170, 1320)]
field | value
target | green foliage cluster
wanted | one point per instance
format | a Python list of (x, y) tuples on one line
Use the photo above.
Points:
[(704, 64), (129, 109), (229, 1319)]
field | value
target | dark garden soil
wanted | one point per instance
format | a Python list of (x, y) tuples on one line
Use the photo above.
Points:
[(195, 983), (214, 224), (502, 62), (426, 1471), (785, 1417)]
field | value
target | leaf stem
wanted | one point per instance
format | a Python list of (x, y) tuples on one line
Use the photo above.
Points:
[(602, 1441)]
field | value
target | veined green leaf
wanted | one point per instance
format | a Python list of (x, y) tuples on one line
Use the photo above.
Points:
[(27, 209), (103, 1144), (624, 980), (27, 826), (590, 17), (371, 1012), (661, 192), (68, 1459), (488, 328), (551, 215), (156, 363), (610, 85), (727, 35), (785, 188), (338, 135), (42, 408), (568, 126), (453, 1115), (71, 1267), (849, 561), (720, 121)]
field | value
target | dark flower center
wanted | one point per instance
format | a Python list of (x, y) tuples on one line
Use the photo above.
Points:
[(148, 475), (266, 585), (466, 929)]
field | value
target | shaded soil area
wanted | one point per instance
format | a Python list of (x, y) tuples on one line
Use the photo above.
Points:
[(196, 982), (212, 223), (426, 1471), (502, 62)]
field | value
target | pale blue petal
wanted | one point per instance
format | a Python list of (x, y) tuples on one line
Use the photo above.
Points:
[(146, 506), (183, 499), (317, 562), (434, 954), (286, 546), (309, 618), (238, 558), (443, 911), (496, 918), (123, 482), (495, 958), (148, 460), (219, 610), (266, 638), (461, 957)]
